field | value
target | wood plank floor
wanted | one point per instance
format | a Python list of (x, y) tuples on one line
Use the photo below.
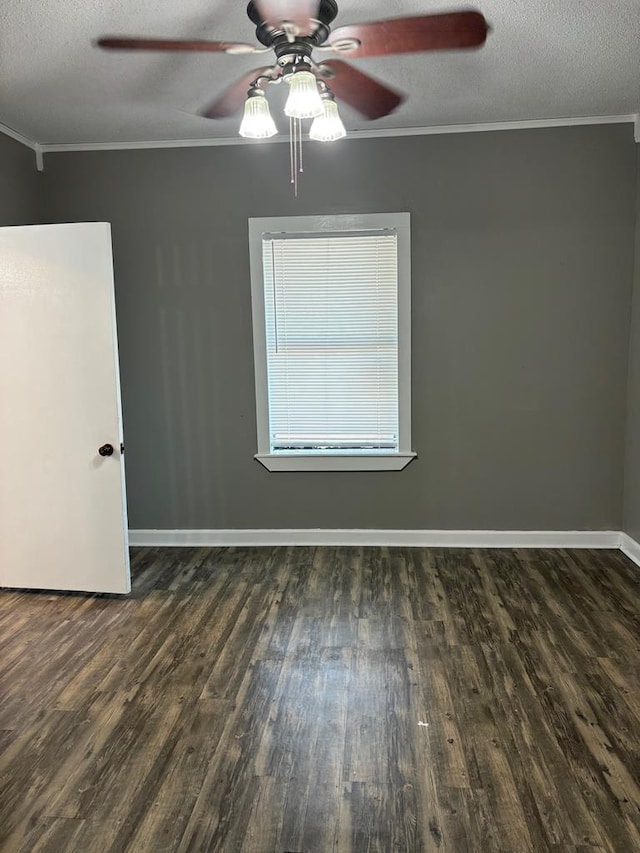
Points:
[(321, 699)]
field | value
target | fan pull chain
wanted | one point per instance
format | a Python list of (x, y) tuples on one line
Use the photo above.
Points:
[(295, 157), (295, 151), (300, 138), (296, 134), (291, 151)]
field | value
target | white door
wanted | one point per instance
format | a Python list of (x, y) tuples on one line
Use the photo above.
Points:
[(63, 520)]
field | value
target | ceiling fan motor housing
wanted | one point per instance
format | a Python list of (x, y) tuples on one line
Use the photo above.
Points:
[(303, 45)]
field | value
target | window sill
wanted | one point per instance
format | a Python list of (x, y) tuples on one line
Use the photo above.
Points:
[(334, 462)]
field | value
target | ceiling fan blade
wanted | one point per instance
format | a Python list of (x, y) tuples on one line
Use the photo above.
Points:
[(125, 43), (365, 94), (302, 13), (415, 34), (232, 98)]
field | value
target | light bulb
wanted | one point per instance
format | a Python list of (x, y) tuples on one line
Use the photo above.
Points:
[(328, 126), (257, 122), (304, 99)]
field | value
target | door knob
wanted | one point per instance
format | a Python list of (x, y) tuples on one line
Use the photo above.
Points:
[(106, 450)]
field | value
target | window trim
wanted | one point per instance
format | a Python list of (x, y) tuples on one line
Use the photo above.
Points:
[(319, 461)]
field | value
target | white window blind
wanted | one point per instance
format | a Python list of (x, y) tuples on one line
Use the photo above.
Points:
[(331, 314)]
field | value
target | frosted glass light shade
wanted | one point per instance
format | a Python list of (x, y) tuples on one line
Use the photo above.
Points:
[(304, 100), (256, 121), (328, 126)]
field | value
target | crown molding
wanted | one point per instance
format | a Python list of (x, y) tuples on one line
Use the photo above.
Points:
[(19, 137), (42, 148), (484, 127), (27, 142), (379, 133)]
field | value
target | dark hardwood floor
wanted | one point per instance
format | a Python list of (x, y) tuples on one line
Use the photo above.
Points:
[(321, 699)]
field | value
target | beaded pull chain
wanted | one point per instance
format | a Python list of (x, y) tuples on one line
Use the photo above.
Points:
[(295, 151)]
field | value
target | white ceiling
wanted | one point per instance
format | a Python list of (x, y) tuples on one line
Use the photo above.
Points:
[(544, 59)]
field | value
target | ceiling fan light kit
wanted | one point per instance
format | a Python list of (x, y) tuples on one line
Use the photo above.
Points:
[(293, 30), (328, 127), (304, 99), (257, 122)]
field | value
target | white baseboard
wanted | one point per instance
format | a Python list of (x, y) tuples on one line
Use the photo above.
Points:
[(630, 547), (398, 538)]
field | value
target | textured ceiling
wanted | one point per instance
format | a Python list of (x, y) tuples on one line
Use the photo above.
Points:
[(544, 59)]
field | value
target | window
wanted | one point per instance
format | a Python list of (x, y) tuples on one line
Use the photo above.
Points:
[(331, 329)]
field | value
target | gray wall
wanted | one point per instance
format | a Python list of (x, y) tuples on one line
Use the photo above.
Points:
[(18, 183), (523, 251), (632, 466)]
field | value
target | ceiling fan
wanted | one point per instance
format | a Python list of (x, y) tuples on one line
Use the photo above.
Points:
[(294, 30)]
